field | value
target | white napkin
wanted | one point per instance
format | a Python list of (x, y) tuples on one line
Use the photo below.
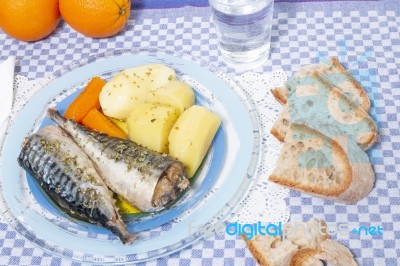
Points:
[(6, 93)]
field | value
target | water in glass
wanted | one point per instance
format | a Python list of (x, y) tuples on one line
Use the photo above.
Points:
[(244, 29)]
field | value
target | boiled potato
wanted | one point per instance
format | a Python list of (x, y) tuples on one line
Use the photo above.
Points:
[(149, 124), (191, 136), (175, 93), (120, 124), (121, 94), (155, 75), (131, 86)]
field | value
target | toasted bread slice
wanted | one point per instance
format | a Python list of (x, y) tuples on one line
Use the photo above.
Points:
[(278, 250), (336, 254), (331, 251), (282, 124), (323, 107), (344, 81), (336, 75), (271, 250), (306, 257), (304, 244), (336, 169), (281, 93)]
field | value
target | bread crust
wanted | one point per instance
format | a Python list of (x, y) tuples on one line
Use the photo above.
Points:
[(280, 93), (335, 253), (337, 152), (359, 177), (276, 250), (364, 139), (279, 131), (277, 134), (303, 255), (363, 178), (257, 254), (365, 101)]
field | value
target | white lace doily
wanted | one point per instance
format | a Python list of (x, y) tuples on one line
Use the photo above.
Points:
[(24, 89), (266, 201)]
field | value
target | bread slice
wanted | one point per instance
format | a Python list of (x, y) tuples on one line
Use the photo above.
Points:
[(281, 125), (271, 251), (323, 107), (306, 257), (281, 93), (278, 250), (306, 246), (335, 253), (347, 84), (336, 169), (336, 75), (330, 251)]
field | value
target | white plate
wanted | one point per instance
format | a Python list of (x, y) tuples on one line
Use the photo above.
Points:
[(222, 182)]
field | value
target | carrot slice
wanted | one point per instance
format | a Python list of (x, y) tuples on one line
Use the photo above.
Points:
[(95, 120), (87, 100)]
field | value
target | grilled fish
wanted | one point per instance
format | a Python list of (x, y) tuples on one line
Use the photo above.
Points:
[(146, 179), (68, 176)]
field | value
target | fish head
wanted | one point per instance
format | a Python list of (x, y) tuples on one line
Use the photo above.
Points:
[(171, 185)]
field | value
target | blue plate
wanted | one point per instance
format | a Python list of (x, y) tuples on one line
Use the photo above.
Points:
[(219, 185)]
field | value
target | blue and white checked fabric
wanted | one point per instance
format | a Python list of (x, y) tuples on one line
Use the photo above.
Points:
[(298, 38)]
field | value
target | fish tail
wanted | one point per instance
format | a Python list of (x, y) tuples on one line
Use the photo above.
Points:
[(119, 228)]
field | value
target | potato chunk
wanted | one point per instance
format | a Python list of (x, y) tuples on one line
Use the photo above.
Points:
[(155, 75), (149, 124), (120, 124), (191, 136), (175, 93), (131, 86), (121, 94)]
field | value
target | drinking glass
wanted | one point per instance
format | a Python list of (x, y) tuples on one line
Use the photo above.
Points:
[(243, 30)]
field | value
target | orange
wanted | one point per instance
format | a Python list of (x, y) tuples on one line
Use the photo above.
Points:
[(29, 20), (96, 18)]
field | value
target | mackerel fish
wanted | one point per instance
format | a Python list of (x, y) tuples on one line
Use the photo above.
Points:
[(148, 180), (69, 177)]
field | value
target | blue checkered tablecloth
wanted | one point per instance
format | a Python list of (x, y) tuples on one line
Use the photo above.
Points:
[(364, 35)]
